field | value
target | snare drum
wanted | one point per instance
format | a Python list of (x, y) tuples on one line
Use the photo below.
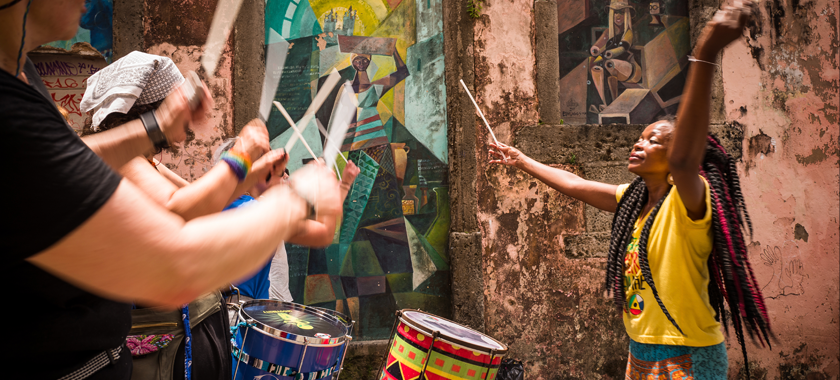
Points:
[(424, 346), (289, 341)]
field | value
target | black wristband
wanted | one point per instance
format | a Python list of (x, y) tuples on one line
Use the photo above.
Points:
[(153, 130)]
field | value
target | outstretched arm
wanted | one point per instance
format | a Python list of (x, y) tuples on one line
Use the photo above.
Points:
[(688, 145), (597, 194), (133, 249)]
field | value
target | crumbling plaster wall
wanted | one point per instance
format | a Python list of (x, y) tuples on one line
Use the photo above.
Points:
[(541, 254), (780, 85), (178, 29)]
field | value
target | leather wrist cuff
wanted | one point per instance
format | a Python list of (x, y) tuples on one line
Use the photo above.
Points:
[(153, 130)]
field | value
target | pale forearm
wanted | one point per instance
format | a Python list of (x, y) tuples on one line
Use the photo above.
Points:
[(208, 194), (316, 233), (120, 145), (133, 249), (221, 248)]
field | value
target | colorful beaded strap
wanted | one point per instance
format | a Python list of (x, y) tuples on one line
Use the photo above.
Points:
[(280, 370)]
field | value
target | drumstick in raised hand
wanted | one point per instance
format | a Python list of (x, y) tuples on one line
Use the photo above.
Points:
[(479, 112)]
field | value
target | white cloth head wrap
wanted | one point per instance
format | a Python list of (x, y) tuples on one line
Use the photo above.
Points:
[(136, 78)]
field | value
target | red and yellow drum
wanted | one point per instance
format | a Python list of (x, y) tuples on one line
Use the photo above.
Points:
[(424, 346)]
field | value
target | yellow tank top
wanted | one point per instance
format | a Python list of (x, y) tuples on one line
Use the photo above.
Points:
[(678, 249)]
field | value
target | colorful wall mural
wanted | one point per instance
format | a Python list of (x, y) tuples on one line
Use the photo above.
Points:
[(96, 28), (389, 252), (621, 61)]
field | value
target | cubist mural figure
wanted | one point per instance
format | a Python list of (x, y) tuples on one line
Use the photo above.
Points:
[(621, 61), (389, 252)]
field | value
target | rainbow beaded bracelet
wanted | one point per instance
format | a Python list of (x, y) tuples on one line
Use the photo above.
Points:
[(239, 162)]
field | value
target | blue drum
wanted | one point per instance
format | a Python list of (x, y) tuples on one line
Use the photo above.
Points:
[(288, 341)]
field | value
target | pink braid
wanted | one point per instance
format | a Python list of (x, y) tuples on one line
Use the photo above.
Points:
[(725, 227), (756, 292)]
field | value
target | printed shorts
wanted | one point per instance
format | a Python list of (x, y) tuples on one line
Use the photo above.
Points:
[(664, 362)]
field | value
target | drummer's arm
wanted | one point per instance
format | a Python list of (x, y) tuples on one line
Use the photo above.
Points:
[(321, 231), (316, 233)]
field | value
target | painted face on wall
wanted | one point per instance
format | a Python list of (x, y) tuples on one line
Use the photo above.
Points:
[(361, 63), (650, 153), (618, 18)]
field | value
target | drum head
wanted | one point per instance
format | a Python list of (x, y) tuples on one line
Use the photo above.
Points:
[(293, 318), (453, 331)]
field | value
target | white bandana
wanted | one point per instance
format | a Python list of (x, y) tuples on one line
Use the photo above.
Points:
[(136, 78)]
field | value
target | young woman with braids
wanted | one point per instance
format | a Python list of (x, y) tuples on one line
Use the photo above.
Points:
[(678, 249)]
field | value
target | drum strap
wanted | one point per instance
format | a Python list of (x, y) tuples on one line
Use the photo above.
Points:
[(98, 362), (281, 370)]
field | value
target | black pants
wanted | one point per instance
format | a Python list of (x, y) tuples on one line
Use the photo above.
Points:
[(210, 349)]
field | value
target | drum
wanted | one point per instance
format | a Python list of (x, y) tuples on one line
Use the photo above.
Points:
[(288, 341), (427, 347)]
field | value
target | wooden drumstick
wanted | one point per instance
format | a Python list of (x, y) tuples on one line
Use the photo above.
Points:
[(479, 112), (295, 128)]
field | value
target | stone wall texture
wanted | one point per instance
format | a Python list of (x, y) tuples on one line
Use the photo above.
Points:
[(775, 107), (527, 262)]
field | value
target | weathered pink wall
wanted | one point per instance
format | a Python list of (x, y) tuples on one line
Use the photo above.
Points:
[(782, 86), (545, 306), (178, 29)]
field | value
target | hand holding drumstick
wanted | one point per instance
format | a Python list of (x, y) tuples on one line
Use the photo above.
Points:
[(507, 155)]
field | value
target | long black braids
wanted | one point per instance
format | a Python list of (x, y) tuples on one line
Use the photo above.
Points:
[(732, 281)]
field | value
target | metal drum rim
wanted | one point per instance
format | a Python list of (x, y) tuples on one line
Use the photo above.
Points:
[(449, 339), (290, 337)]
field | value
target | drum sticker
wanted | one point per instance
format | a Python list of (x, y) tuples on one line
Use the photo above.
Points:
[(284, 317), (323, 336)]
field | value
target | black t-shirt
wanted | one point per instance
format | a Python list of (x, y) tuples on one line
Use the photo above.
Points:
[(52, 184)]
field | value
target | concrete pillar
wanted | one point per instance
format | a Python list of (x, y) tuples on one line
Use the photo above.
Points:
[(548, 65), (464, 240), (248, 62), (128, 27)]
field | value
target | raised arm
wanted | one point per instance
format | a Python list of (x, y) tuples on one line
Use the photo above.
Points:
[(397, 76), (688, 143), (597, 194), (133, 249), (120, 145)]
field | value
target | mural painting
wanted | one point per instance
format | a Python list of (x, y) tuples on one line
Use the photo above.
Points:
[(389, 252), (96, 28), (621, 61)]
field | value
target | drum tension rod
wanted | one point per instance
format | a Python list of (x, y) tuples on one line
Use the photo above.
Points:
[(490, 365), (435, 336), (393, 331)]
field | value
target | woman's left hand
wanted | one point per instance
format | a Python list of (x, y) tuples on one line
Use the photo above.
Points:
[(726, 26), (273, 162)]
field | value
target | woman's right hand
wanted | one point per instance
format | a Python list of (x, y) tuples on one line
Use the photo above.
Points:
[(506, 155), (175, 115), (253, 139), (726, 26)]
